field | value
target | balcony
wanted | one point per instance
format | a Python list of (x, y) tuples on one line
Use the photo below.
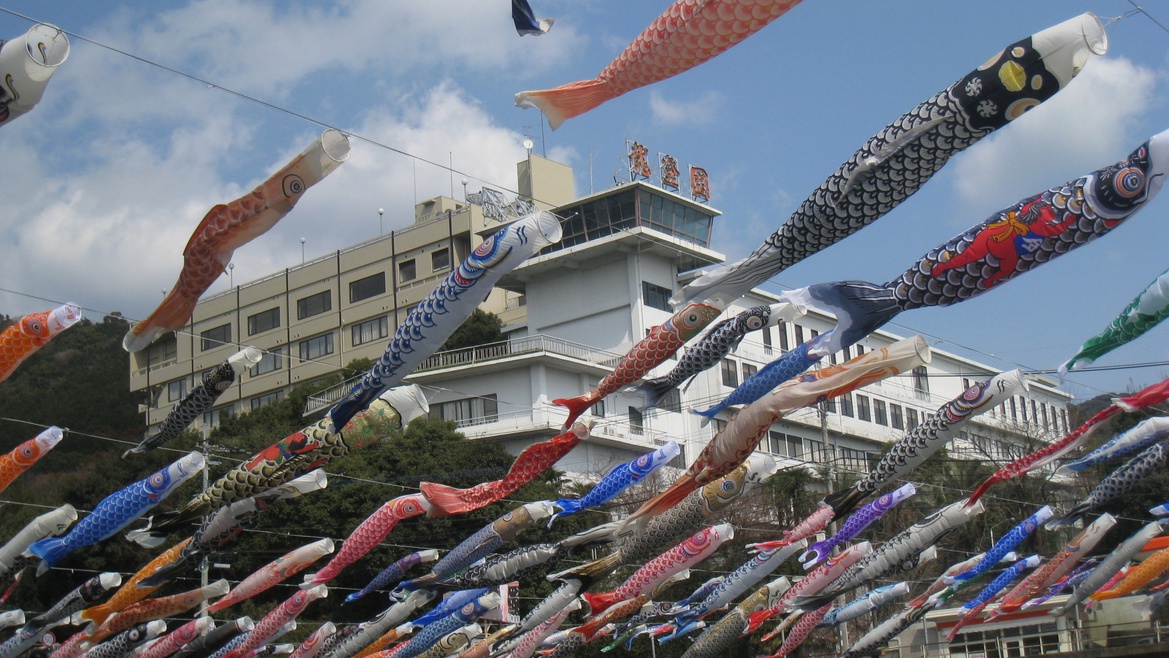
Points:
[(525, 346)]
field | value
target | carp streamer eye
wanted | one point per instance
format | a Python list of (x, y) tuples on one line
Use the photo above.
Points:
[(1129, 182)]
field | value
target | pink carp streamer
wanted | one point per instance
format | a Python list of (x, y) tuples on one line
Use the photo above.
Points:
[(274, 573), (815, 522), (534, 460), (731, 446), (177, 639), (228, 227), (800, 631), (1155, 394), (30, 333), (687, 34), (269, 627), (662, 342), (366, 536), (816, 580), (26, 454)]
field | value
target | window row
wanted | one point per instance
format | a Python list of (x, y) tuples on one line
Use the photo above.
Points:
[(478, 410)]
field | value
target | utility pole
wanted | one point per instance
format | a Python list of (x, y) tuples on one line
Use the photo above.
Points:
[(830, 485)]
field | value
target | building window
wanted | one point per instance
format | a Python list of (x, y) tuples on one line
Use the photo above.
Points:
[(267, 399), (749, 369), (799, 335), (264, 321), (306, 307), (370, 286), (829, 405), (656, 296), (407, 271), (680, 460), (854, 460), (1034, 412), (598, 409), (215, 416), (786, 445), (440, 259), (862, 408), (846, 405), (316, 347), (374, 329), (1063, 413), (176, 390), (1014, 411), (879, 414), (815, 451), (921, 383), (767, 341), (164, 351), (911, 418), (478, 410), (215, 337), (672, 401), (896, 419), (730, 370), (1043, 415), (718, 424), (636, 422), (784, 345), (272, 361)]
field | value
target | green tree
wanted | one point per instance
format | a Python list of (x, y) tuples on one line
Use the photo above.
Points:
[(479, 329)]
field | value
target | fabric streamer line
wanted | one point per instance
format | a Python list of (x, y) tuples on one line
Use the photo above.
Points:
[(227, 227), (899, 159), (29, 334), (26, 64), (193, 404), (1143, 313), (428, 325), (687, 34)]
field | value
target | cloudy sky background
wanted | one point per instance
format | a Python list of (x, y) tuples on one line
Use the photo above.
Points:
[(108, 176)]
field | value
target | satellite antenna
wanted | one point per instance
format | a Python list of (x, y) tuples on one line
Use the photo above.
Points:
[(528, 144)]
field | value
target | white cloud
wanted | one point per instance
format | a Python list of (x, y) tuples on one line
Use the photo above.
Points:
[(698, 111), (1084, 127)]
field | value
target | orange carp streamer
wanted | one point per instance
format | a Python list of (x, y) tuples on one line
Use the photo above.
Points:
[(229, 227), (687, 34), (19, 341)]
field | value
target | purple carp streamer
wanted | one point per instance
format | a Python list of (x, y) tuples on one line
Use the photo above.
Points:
[(394, 573), (899, 159), (192, 406), (26, 64), (435, 318), (934, 432), (856, 524), (1142, 314)]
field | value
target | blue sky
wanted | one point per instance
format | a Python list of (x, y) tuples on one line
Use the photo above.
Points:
[(107, 178)]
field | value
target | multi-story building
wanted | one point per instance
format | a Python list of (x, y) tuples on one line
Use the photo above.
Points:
[(569, 313)]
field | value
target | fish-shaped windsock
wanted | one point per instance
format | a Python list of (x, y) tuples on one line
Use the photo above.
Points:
[(526, 23), (893, 552), (874, 599), (31, 332), (871, 643), (1124, 479), (150, 609), (930, 435), (89, 593), (370, 632), (1055, 568), (394, 573), (11, 618), (856, 524), (686, 517), (214, 383), (178, 638), (1143, 313), (216, 638), (429, 634), (293, 456), (527, 644), (452, 642), (1139, 576), (800, 631), (1005, 544), (697, 548), (501, 568), (618, 479), (975, 606), (225, 525), (741, 435), (487, 540), (313, 644), (118, 510), (534, 460), (715, 640), (735, 584), (712, 347), (940, 584), (700, 594), (816, 580), (49, 523), (26, 454), (901, 157), (486, 647), (129, 640), (368, 534), (239, 641), (1146, 397), (267, 628), (551, 605), (26, 64), (1115, 561), (1142, 434), (1072, 580), (227, 227), (435, 318), (660, 344), (130, 591), (813, 523), (687, 34), (275, 572)]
